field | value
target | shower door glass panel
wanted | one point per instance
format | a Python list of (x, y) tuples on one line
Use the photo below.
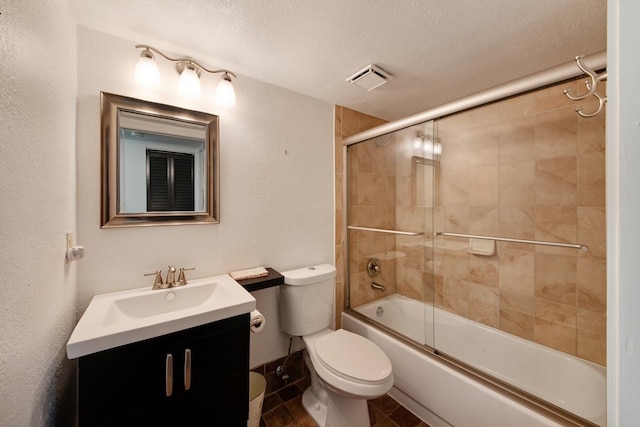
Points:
[(519, 178), (390, 192)]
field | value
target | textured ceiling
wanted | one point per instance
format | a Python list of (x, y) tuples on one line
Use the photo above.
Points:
[(436, 50)]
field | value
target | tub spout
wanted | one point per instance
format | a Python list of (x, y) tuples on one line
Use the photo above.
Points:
[(378, 286)]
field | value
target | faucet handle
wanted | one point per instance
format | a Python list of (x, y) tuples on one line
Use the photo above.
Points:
[(157, 283), (182, 279)]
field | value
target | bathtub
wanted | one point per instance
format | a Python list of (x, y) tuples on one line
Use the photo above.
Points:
[(444, 395)]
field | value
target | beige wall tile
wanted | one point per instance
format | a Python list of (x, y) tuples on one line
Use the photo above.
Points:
[(483, 220), (517, 140), (591, 134), (484, 304), (592, 231), (517, 222), (517, 184), (592, 284), (564, 314), (455, 296), (455, 186), (484, 270), (517, 302), (556, 133), (591, 179), (556, 224), (516, 272), (456, 218), (484, 146), (517, 323), (555, 278), (592, 346), (517, 108), (555, 335), (484, 186), (556, 181), (592, 321)]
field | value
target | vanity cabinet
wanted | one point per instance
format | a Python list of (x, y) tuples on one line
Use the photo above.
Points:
[(195, 377)]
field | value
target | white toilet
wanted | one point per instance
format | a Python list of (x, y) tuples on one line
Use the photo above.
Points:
[(346, 369)]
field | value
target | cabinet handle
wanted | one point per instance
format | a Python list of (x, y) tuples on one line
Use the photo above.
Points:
[(187, 369), (168, 375)]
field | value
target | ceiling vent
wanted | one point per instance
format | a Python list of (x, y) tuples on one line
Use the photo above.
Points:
[(370, 77)]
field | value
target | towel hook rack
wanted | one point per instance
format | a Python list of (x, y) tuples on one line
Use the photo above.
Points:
[(592, 86)]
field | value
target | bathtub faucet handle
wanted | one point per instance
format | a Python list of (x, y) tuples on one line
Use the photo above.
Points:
[(373, 267), (378, 286)]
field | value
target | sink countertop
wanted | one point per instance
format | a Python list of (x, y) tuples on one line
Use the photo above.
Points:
[(125, 317)]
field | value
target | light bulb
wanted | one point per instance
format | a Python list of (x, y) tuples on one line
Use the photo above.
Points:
[(189, 82), (147, 73), (225, 94)]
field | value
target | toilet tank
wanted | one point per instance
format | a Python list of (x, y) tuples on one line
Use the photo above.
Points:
[(306, 299)]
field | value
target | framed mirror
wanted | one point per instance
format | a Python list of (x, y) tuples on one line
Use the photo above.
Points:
[(160, 164)]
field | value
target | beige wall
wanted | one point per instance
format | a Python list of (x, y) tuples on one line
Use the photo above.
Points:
[(529, 168)]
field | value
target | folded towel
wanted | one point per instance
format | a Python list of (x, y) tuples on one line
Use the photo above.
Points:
[(250, 273)]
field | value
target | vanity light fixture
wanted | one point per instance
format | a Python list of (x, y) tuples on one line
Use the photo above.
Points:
[(147, 74)]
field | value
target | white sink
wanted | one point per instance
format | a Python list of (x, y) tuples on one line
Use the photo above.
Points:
[(120, 318)]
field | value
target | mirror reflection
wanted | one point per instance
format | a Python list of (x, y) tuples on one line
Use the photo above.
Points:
[(160, 164)]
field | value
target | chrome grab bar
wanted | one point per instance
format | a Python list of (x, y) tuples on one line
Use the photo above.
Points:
[(583, 248), (386, 230)]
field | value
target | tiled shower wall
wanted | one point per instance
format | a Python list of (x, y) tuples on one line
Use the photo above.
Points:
[(530, 168), (347, 122)]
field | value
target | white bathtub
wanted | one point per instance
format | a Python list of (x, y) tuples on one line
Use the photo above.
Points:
[(443, 396)]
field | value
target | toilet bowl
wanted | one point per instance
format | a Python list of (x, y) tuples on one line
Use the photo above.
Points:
[(346, 369)]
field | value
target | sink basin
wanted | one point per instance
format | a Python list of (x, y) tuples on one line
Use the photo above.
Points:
[(120, 318)]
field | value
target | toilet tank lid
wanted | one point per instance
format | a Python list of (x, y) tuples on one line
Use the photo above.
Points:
[(309, 275)]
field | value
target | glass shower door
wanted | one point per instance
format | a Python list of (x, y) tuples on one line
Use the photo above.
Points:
[(390, 205)]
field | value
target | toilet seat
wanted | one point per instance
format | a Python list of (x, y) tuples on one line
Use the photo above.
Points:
[(353, 357)]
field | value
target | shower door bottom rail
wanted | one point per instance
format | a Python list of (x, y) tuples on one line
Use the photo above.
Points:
[(386, 230), (583, 248)]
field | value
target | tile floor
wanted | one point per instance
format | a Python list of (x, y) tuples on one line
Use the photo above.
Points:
[(282, 406)]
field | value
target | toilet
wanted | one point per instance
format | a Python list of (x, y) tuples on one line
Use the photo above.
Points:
[(346, 369)]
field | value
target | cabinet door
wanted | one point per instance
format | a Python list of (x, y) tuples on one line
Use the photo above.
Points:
[(120, 387), (203, 369), (214, 357)]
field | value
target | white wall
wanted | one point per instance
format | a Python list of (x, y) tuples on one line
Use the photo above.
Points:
[(623, 212), (276, 160), (37, 208)]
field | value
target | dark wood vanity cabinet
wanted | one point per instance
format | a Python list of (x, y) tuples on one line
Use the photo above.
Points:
[(194, 377)]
